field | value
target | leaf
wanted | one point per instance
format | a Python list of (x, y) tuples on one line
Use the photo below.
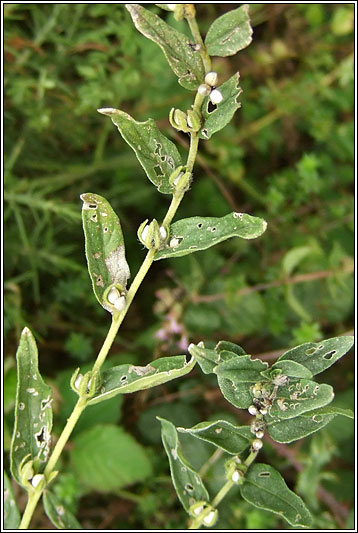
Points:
[(106, 458), (199, 233), (265, 488), (11, 511), (33, 412), (286, 431), (206, 358), (216, 119), (61, 517), (318, 356), (291, 369), (230, 33), (293, 257), (232, 439), (185, 62), (187, 482), (242, 369), (295, 399), (158, 156), (239, 396), (128, 378), (105, 251), (227, 346)]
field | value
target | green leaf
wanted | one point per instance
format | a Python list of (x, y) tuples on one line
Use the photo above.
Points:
[(232, 439), (199, 233), (296, 398), (318, 356), (227, 346), (33, 412), (333, 410), (185, 62), (158, 156), (239, 396), (106, 458), (105, 252), (208, 359), (11, 511), (265, 488), (216, 119), (291, 369), (241, 369), (61, 517), (286, 431), (128, 378), (230, 33), (187, 483), (293, 257)]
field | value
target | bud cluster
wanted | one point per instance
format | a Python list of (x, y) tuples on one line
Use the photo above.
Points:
[(209, 88), (152, 235)]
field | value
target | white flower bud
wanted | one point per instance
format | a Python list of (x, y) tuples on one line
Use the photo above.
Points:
[(237, 475), (174, 242), (216, 97), (163, 233), (78, 381), (145, 233), (263, 411), (37, 479), (211, 78), (259, 434), (198, 510), (204, 89), (120, 303), (257, 444), (210, 518), (252, 410), (113, 295)]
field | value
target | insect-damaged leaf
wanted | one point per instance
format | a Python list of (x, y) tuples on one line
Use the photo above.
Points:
[(33, 412), (128, 378), (286, 431), (232, 439), (11, 511), (184, 60), (199, 233), (230, 33), (318, 356), (105, 252), (265, 488), (216, 117), (61, 517), (187, 482), (158, 156)]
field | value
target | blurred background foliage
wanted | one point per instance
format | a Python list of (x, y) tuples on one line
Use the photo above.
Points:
[(288, 156)]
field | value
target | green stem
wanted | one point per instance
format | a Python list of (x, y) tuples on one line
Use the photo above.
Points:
[(34, 497), (194, 28)]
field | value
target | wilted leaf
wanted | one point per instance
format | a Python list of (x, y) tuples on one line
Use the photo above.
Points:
[(33, 412), (318, 356), (185, 62), (128, 378), (105, 458), (61, 517), (199, 233), (230, 33), (187, 483), (265, 488), (216, 117), (105, 252), (232, 439), (157, 154), (11, 511)]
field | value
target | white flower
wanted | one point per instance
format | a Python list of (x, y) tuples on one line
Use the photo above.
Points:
[(211, 78), (216, 97)]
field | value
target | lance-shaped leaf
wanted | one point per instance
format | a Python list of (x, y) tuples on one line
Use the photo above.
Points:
[(297, 398), (128, 378), (286, 431), (291, 369), (11, 511), (216, 117), (187, 482), (105, 252), (33, 412), (318, 356), (199, 233), (157, 155), (232, 439), (265, 488), (182, 57), (230, 33), (57, 513)]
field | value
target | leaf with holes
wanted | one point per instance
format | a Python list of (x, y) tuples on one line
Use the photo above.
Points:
[(182, 57), (232, 439), (158, 156), (128, 378), (60, 517), (216, 117), (187, 482), (105, 252), (299, 397), (286, 431), (265, 488), (33, 412), (318, 356), (199, 233), (230, 33), (11, 511)]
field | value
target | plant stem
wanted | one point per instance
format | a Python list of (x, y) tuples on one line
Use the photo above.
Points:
[(34, 497), (194, 28)]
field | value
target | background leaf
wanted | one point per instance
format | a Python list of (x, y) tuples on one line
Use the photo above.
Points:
[(33, 412), (229, 33), (199, 233), (61, 517), (11, 511), (266, 489)]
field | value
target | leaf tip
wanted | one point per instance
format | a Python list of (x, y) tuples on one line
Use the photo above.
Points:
[(109, 111), (26, 331)]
